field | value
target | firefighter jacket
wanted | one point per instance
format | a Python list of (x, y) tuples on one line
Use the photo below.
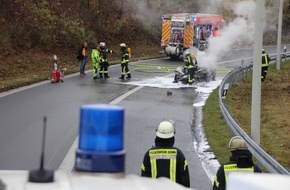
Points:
[(125, 57), (190, 62), (166, 162), (95, 58), (240, 162), (103, 54), (265, 59)]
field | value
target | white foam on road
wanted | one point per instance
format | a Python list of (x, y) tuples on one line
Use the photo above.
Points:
[(161, 82), (201, 146)]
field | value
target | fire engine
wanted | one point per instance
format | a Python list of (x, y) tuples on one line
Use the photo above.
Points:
[(182, 31)]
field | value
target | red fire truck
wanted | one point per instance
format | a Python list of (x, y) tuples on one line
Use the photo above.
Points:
[(182, 31)]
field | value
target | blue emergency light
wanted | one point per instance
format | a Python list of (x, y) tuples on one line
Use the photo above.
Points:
[(101, 138)]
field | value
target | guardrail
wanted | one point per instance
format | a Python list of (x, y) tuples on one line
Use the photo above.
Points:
[(233, 77)]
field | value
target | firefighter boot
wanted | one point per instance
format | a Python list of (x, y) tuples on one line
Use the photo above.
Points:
[(128, 76), (101, 75), (95, 73), (106, 75), (122, 77), (175, 79)]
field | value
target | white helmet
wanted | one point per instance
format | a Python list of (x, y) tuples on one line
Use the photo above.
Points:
[(165, 130), (102, 44), (237, 143), (186, 52), (123, 45)]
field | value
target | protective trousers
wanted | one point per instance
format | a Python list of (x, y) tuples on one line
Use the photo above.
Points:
[(104, 69), (190, 75), (125, 70), (264, 72)]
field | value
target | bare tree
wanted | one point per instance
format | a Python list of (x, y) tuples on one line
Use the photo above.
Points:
[(121, 9)]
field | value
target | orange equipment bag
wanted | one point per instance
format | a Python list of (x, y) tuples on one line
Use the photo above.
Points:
[(129, 51)]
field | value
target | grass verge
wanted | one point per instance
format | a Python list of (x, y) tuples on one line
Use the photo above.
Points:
[(24, 68), (275, 111)]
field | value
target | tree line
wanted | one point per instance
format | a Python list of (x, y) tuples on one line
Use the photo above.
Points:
[(50, 24)]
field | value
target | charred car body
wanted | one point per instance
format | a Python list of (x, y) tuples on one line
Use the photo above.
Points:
[(200, 75)]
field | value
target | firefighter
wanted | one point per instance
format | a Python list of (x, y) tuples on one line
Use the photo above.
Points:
[(240, 161), (124, 62), (104, 64), (265, 65), (95, 55), (203, 33), (190, 65), (164, 160)]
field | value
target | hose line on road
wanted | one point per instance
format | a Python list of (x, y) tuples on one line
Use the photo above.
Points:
[(154, 68), (222, 70)]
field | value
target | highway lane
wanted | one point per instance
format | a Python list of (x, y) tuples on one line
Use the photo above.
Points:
[(21, 118), (144, 110), (22, 112)]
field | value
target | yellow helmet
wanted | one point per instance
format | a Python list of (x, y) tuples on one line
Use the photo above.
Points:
[(237, 143), (165, 130), (192, 56)]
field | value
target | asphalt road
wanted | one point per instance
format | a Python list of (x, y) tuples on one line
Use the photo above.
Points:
[(22, 112)]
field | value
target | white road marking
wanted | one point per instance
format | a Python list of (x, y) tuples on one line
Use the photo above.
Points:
[(69, 160)]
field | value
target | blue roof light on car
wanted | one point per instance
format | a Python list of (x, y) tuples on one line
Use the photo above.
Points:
[(101, 138)]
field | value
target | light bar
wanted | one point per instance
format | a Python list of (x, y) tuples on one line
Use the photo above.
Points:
[(101, 139)]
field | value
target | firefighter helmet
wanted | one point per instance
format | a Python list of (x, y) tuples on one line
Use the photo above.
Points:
[(237, 143), (186, 52), (165, 130), (122, 45), (102, 44)]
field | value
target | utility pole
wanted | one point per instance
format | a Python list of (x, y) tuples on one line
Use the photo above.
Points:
[(256, 81), (278, 57)]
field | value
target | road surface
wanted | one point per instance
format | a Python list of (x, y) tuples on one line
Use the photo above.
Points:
[(22, 112)]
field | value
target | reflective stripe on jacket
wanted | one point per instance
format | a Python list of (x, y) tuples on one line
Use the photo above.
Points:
[(229, 168), (166, 162), (103, 55), (190, 63), (224, 171), (265, 60), (125, 57), (163, 154)]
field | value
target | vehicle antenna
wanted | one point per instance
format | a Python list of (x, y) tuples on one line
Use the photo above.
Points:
[(41, 175)]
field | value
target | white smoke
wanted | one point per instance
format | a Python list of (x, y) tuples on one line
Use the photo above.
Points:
[(238, 32)]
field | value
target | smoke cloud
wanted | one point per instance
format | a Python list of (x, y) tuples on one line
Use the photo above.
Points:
[(239, 32), (238, 28)]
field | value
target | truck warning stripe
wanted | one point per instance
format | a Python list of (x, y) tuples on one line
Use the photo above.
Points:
[(188, 37), (166, 25)]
